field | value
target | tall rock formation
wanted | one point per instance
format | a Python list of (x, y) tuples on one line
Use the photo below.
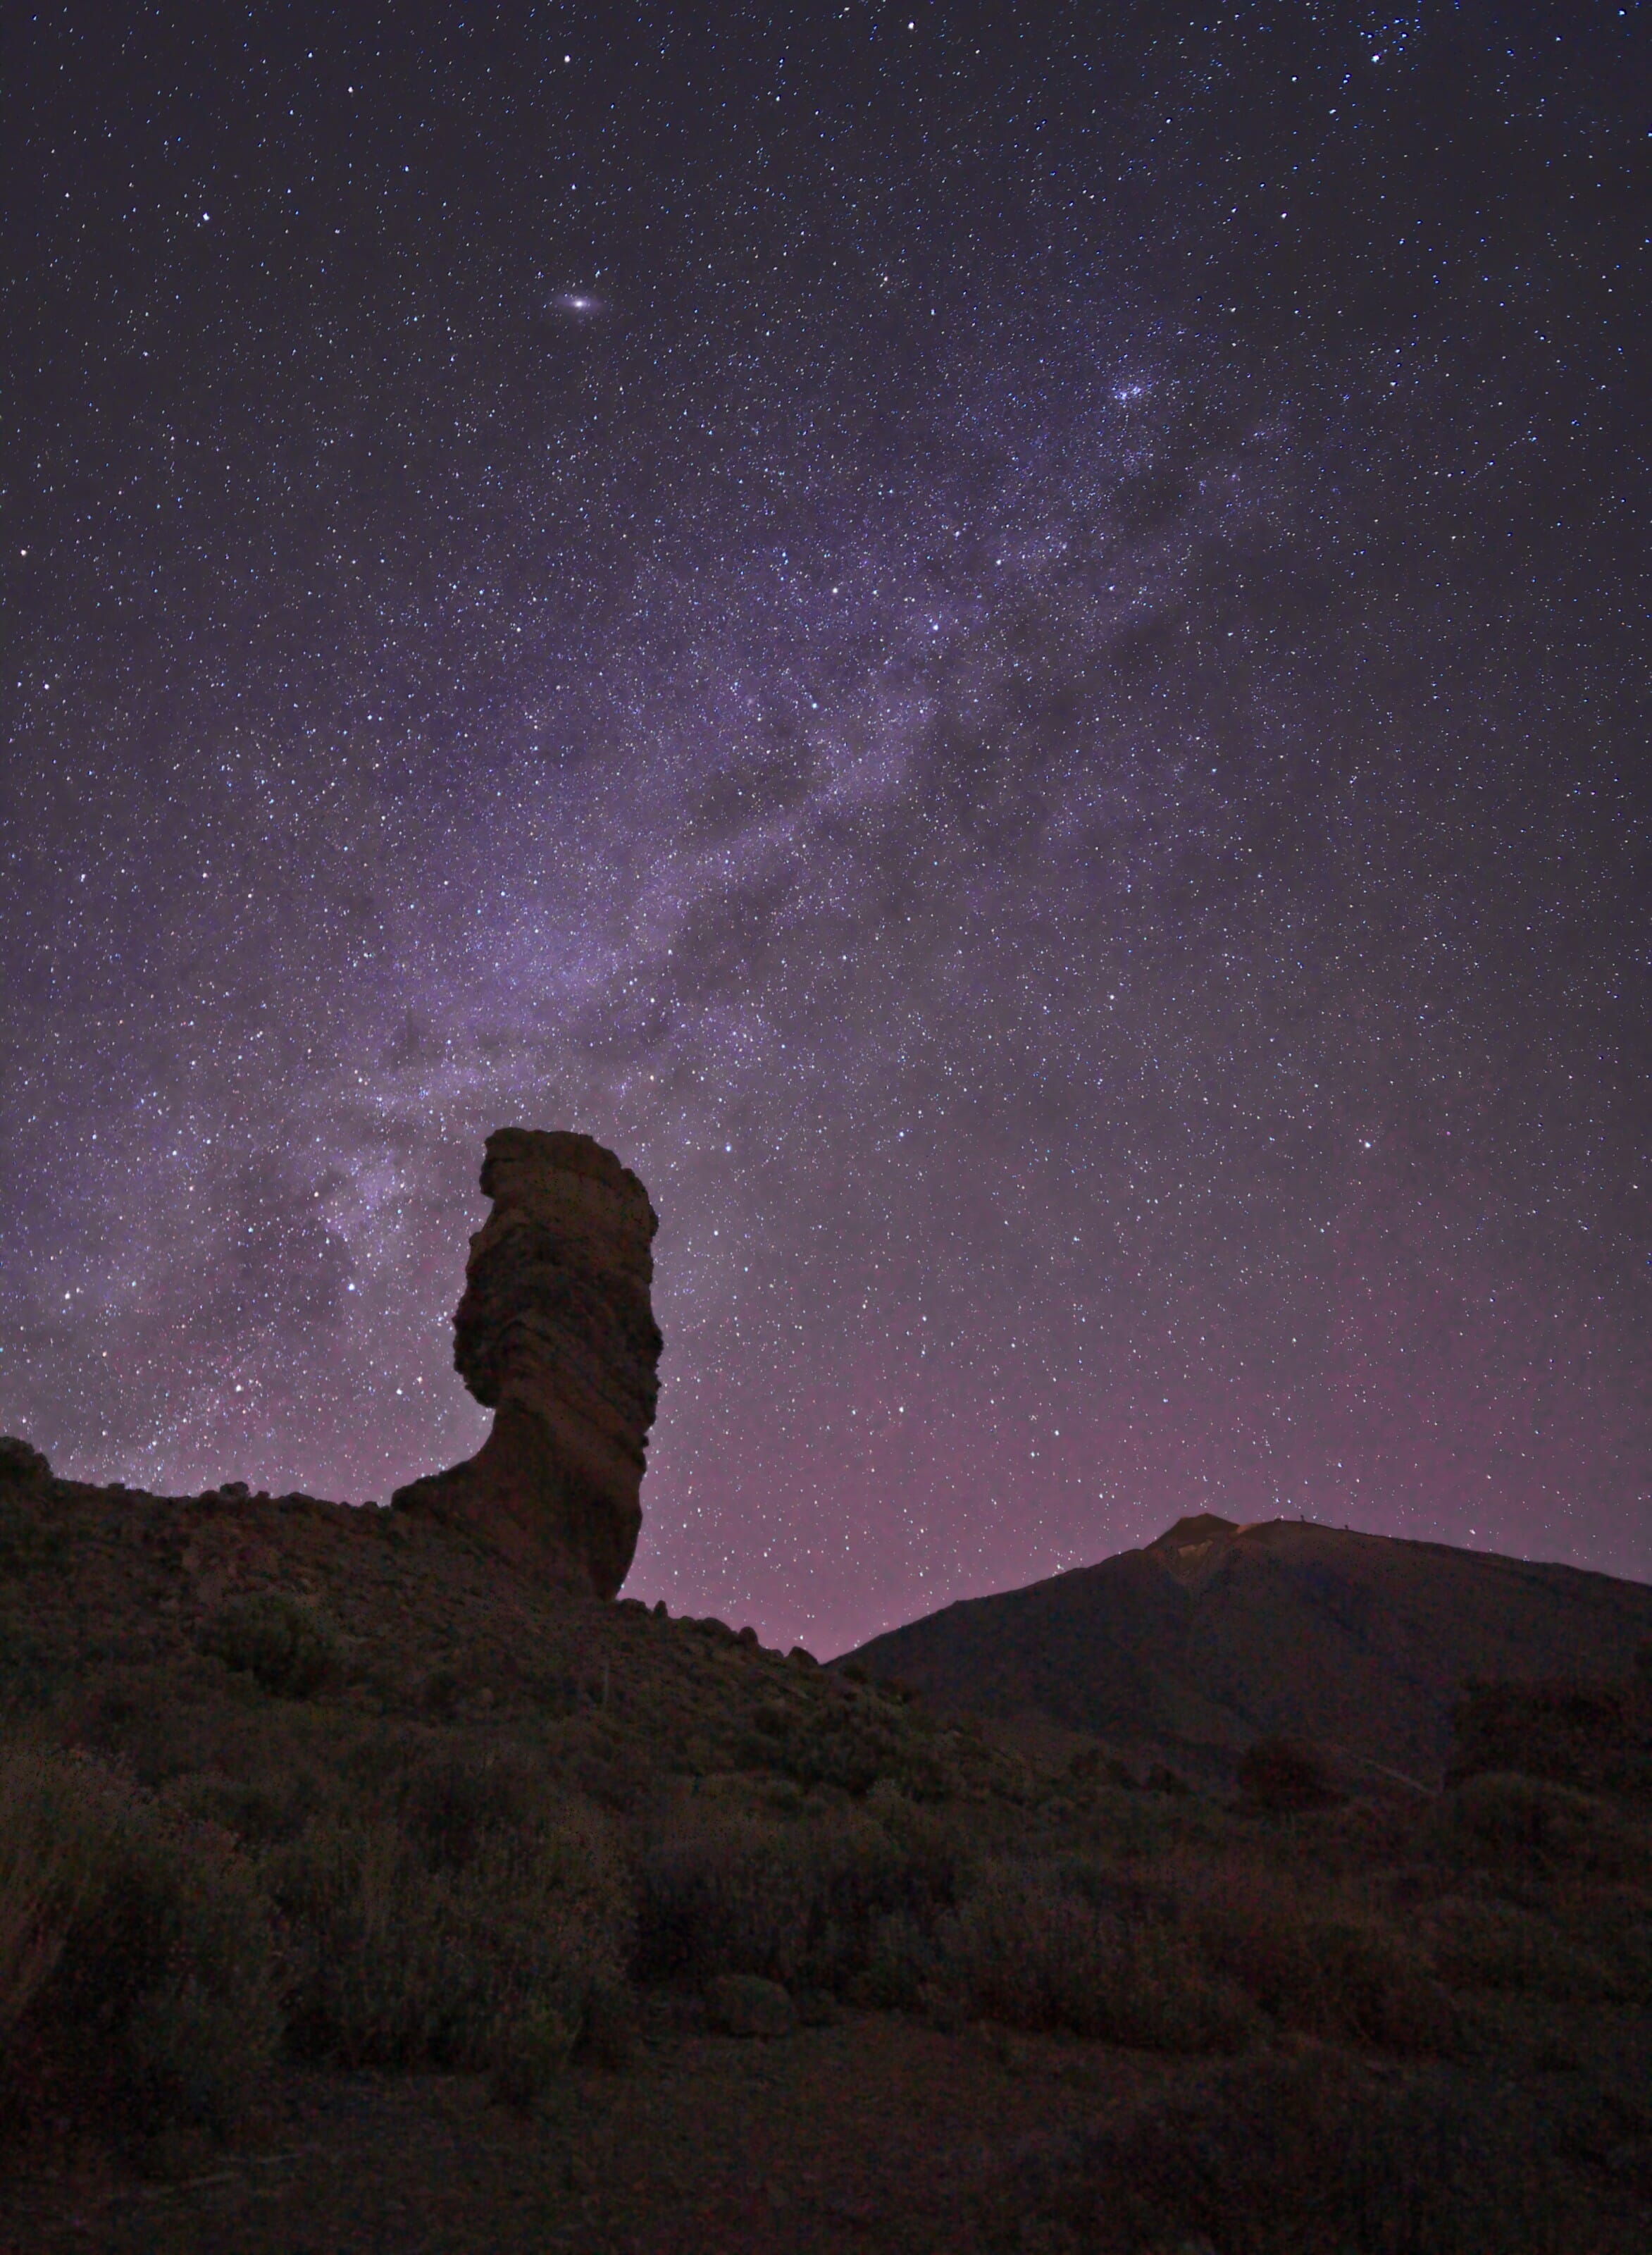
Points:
[(556, 1334)]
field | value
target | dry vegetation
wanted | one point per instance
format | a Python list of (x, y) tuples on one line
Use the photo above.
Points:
[(1402, 2027)]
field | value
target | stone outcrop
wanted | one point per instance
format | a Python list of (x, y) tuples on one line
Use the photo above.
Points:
[(556, 1334)]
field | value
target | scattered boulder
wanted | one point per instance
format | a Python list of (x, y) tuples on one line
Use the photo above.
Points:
[(556, 1334), (745, 2005)]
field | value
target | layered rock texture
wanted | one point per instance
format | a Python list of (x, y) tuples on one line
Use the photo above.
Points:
[(556, 1333), (1215, 1635)]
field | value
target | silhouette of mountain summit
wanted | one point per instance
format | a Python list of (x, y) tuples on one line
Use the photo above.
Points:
[(1214, 1635)]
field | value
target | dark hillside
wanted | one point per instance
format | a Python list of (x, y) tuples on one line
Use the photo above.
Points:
[(1215, 1635)]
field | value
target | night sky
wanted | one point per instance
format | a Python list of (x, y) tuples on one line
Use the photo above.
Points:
[(1008, 647)]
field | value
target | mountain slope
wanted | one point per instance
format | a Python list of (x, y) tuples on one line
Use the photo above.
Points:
[(1216, 1635)]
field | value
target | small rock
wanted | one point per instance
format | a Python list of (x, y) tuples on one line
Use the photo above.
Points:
[(745, 2005)]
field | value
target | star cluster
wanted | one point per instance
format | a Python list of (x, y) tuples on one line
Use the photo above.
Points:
[(1007, 646)]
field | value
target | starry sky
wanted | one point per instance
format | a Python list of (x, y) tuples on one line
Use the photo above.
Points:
[(1008, 646)]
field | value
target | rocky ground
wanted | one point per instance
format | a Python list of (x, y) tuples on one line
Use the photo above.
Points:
[(875, 2133)]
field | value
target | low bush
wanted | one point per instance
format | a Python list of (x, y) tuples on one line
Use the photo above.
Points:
[(1372, 1986), (532, 2050), (396, 1964), (277, 1639), (1498, 1945), (28, 1673), (1592, 1735), (1298, 2155), (1027, 1950), (137, 1963), (817, 1900), (854, 1743), (453, 1803), (261, 1810), (1611, 1921), (1502, 1817), (1310, 1955), (1285, 1775), (28, 1539)]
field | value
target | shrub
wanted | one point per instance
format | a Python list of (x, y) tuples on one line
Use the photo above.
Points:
[(807, 1902), (396, 1964), (27, 1538), (1611, 1923), (1029, 1951), (1297, 2153), (853, 1743), (54, 1851), (454, 1801), (276, 1638), (260, 1810), (372, 1978), (1285, 1775), (1595, 1736), (610, 2026), (1496, 1945), (1373, 1988), (532, 2050), (136, 1955), (902, 1961), (1499, 1815), (28, 1667), (1335, 1970), (22, 1467)]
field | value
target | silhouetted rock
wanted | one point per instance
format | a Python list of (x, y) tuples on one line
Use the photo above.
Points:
[(556, 1333), (20, 1465)]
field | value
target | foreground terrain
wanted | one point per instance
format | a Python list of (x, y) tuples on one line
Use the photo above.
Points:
[(354, 1894)]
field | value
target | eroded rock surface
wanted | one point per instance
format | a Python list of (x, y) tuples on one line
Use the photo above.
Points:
[(556, 1333)]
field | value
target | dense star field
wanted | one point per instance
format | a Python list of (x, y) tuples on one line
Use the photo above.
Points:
[(1006, 646)]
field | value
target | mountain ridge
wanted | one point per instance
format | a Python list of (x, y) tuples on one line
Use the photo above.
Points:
[(1188, 1648)]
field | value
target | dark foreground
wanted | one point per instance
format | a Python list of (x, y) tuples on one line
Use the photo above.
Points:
[(880, 2133), (354, 1897)]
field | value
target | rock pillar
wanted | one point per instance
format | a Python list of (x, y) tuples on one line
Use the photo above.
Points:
[(556, 1335)]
